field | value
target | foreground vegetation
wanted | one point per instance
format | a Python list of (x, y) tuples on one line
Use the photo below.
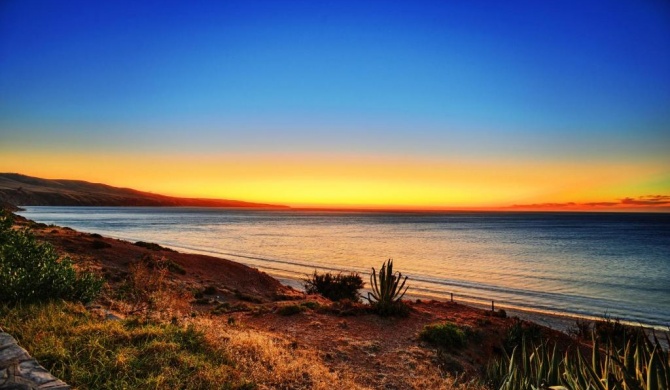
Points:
[(32, 271), (629, 360), (89, 352), (172, 336), (92, 353)]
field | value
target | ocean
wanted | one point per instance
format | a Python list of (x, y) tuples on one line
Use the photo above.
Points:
[(576, 264)]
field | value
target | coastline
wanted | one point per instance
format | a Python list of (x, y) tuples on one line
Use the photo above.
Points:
[(345, 339), (557, 320)]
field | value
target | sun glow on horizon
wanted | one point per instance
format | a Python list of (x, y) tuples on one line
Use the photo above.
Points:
[(349, 181)]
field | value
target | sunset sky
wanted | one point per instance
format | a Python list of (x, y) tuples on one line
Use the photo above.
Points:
[(407, 104)]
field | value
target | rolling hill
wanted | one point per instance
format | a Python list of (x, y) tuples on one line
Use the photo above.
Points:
[(22, 190)]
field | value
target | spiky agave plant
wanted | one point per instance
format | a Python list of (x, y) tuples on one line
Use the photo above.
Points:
[(388, 288), (642, 364)]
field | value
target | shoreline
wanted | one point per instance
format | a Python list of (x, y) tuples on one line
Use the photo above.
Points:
[(562, 322)]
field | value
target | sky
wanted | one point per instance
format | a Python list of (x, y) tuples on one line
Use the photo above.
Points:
[(382, 104)]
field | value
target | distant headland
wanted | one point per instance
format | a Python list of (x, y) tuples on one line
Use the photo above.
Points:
[(21, 190)]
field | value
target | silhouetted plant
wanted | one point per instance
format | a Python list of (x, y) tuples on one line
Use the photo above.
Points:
[(388, 288), (32, 271), (581, 330), (335, 287), (612, 330), (519, 332)]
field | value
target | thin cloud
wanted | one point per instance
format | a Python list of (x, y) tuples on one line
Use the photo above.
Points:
[(545, 205), (646, 200)]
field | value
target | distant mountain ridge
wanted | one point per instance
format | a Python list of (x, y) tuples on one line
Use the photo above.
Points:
[(22, 190)]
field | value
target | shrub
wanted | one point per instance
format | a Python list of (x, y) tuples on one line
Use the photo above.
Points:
[(154, 262), (335, 287), (387, 291), (32, 271), (290, 310), (153, 246), (581, 330), (99, 244), (446, 335), (311, 305), (209, 290), (247, 297), (612, 330), (520, 332)]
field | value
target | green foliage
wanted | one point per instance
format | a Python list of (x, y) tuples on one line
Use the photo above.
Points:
[(335, 287), (446, 335), (90, 353), (387, 291), (642, 364), (290, 310), (31, 271)]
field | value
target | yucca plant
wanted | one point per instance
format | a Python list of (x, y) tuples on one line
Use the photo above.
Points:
[(388, 288), (642, 365)]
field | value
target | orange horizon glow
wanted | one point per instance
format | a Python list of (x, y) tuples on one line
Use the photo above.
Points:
[(370, 182)]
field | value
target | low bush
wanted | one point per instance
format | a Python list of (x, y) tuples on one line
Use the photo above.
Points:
[(520, 332), (152, 246), (32, 271), (311, 305), (209, 290), (290, 310), (99, 244), (335, 287), (446, 335), (612, 330), (581, 330), (154, 262), (247, 297)]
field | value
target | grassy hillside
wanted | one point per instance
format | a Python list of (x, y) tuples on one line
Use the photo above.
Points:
[(21, 190)]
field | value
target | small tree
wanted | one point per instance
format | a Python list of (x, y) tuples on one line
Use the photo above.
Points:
[(32, 271)]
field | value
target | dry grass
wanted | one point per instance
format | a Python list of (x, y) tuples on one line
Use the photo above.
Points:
[(90, 353), (272, 362), (151, 292)]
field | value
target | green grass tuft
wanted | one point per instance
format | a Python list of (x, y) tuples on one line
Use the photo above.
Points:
[(87, 352)]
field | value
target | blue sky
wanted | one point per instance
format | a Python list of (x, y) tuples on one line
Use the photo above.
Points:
[(535, 80)]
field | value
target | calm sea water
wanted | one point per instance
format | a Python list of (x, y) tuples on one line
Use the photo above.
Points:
[(581, 264)]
